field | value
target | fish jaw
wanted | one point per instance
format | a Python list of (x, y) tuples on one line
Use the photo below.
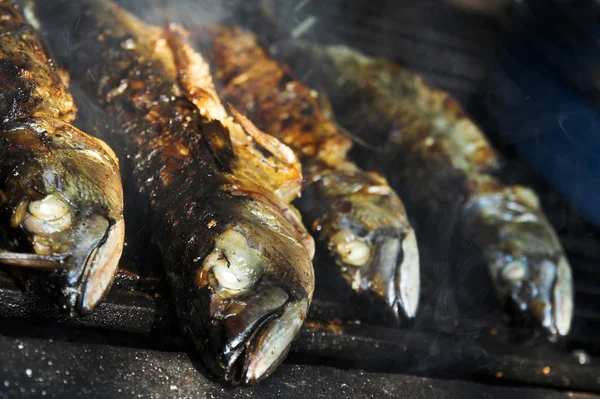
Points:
[(563, 298), (386, 264), (272, 344), (259, 276), (408, 276), (540, 288), (86, 256), (395, 273), (103, 266), (259, 335)]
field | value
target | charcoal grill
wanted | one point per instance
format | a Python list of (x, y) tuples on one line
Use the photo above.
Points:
[(458, 347)]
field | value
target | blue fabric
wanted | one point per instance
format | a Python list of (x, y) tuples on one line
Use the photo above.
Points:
[(566, 34), (535, 103)]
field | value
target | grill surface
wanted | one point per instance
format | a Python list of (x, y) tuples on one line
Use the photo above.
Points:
[(452, 49), (459, 332), (83, 369)]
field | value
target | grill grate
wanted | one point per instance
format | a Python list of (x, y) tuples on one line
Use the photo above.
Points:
[(449, 338), (451, 49), (427, 36)]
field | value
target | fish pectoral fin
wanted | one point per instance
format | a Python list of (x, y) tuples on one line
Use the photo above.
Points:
[(271, 155), (219, 142), (324, 104), (195, 80), (282, 153), (355, 138)]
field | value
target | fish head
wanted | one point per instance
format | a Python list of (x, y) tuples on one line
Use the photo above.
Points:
[(64, 206), (373, 244), (525, 258), (535, 279), (260, 280)]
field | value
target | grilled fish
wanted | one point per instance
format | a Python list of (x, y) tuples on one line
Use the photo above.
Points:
[(356, 213), (443, 167), (237, 257), (61, 198)]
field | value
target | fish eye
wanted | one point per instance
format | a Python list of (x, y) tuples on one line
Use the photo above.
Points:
[(228, 276), (48, 209), (352, 249), (513, 272), (47, 216), (234, 264)]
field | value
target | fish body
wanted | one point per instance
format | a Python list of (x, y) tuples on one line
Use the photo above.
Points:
[(61, 198), (443, 167), (355, 213), (236, 255)]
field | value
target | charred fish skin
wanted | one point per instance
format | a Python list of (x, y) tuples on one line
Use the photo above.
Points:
[(237, 258), (61, 198), (442, 165), (355, 213)]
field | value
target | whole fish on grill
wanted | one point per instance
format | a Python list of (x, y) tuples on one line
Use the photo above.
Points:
[(237, 257), (356, 213), (442, 165), (61, 198)]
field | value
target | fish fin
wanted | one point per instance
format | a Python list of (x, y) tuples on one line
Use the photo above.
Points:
[(355, 139), (193, 75), (283, 163), (234, 145), (219, 142), (64, 74), (325, 105), (274, 146)]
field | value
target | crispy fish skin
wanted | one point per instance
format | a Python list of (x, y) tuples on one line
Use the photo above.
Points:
[(441, 164), (236, 255), (61, 198), (356, 213)]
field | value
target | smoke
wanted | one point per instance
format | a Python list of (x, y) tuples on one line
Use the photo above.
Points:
[(452, 293), (184, 12), (454, 298)]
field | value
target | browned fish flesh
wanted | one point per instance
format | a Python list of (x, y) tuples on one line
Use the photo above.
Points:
[(355, 213), (236, 255), (61, 198), (443, 166)]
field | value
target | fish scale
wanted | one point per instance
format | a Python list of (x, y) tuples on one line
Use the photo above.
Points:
[(444, 173), (62, 197), (355, 213), (236, 256)]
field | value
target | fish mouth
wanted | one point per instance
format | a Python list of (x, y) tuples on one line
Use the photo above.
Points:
[(95, 264), (86, 263), (259, 336), (543, 290), (388, 267), (395, 275)]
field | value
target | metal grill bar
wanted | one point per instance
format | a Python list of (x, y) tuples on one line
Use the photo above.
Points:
[(486, 354)]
